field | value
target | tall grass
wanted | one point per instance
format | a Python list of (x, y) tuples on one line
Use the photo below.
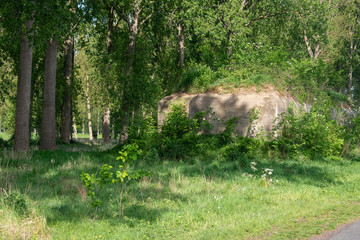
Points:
[(203, 197)]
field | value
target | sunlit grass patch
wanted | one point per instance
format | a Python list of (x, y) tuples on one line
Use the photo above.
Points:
[(204, 197)]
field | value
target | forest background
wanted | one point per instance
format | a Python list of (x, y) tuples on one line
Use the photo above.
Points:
[(97, 69), (116, 59)]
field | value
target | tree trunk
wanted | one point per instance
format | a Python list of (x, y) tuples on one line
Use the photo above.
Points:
[(350, 75), (83, 127), (109, 43), (308, 46), (133, 31), (22, 115), (66, 109), (309, 49), (48, 120), (88, 107), (98, 125), (229, 47), (106, 126), (113, 131), (75, 128), (181, 45)]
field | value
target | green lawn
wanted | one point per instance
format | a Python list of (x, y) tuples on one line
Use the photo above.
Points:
[(80, 135), (198, 198)]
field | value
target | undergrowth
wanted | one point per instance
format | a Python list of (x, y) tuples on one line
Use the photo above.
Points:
[(284, 186)]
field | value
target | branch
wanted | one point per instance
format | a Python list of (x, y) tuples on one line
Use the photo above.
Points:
[(143, 21), (75, 26), (151, 2), (265, 17), (117, 23), (122, 16)]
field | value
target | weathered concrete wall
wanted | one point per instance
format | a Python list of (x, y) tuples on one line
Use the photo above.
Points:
[(224, 107)]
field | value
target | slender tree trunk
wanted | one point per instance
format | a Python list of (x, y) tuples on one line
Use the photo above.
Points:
[(22, 115), (308, 46), (75, 128), (106, 126), (98, 125), (309, 49), (106, 119), (0, 125), (229, 47), (350, 75), (88, 107), (133, 31), (48, 121), (66, 109), (83, 127), (132, 41), (181, 45)]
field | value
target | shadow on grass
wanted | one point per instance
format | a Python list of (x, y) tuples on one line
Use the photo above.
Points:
[(51, 179), (316, 173)]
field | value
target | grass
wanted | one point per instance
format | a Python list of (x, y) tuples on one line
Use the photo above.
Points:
[(86, 135), (197, 198)]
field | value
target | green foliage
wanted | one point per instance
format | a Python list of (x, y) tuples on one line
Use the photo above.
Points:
[(250, 148), (179, 134), (309, 133), (142, 129), (351, 134), (198, 78), (18, 202), (177, 123), (228, 136), (310, 77), (122, 175)]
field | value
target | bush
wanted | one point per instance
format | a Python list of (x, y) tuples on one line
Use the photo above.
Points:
[(198, 77), (310, 133), (246, 147), (179, 134), (351, 134), (142, 131)]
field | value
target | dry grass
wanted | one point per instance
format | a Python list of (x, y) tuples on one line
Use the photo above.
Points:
[(18, 227)]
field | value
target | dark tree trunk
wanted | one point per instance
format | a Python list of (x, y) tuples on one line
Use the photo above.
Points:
[(22, 115), (109, 42), (66, 109), (125, 107), (48, 120)]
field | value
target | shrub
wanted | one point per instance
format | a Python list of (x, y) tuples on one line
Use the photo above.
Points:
[(351, 134), (121, 175), (311, 133), (177, 123), (142, 131), (179, 133), (199, 77)]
